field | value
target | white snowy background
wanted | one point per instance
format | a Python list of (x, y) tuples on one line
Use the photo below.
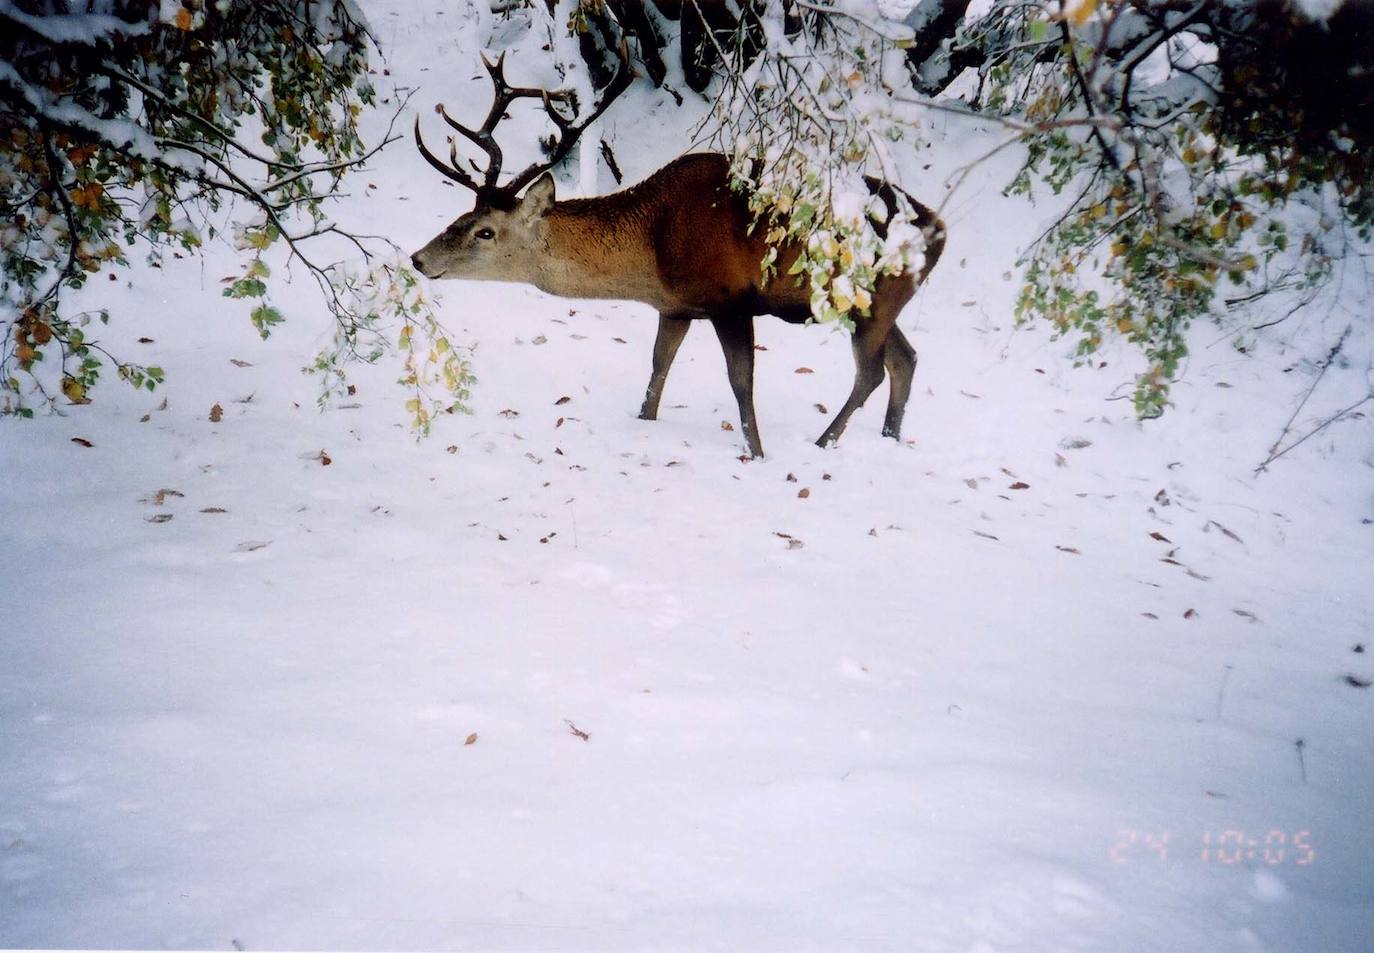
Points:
[(1022, 670)]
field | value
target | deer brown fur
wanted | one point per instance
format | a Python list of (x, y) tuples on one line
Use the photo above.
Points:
[(684, 242)]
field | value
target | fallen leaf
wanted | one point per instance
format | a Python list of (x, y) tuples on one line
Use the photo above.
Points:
[(237, 363), (1356, 682), (803, 493), (1161, 537), (216, 413), (1224, 531), (979, 532), (539, 339), (795, 544), (451, 448), (971, 483), (576, 730), (252, 545), (160, 497), (791, 478), (561, 401), (470, 740), (821, 409), (1190, 614), (158, 517), (1067, 549), (82, 441), (214, 509), (1018, 485), (619, 340), (726, 425), (803, 370), (510, 413), (1246, 615)]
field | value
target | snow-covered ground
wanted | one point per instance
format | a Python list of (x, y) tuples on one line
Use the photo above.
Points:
[(1040, 678)]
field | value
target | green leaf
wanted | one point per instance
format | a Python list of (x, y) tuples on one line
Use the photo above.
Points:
[(264, 317)]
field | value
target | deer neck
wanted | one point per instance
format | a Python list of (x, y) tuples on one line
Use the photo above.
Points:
[(595, 250)]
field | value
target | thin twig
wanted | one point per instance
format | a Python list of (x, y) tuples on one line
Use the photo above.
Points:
[(1321, 372)]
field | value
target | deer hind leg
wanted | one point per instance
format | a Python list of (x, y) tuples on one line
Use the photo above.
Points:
[(736, 335), (877, 342), (671, 331), (899, 357), (869, 349)]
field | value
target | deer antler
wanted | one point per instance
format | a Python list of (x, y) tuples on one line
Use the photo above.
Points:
[(504, 95)]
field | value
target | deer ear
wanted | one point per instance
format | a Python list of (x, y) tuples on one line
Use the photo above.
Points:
[(538, 197)]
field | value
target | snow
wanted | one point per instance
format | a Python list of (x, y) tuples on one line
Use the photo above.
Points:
[(84, 28), (960, 716)]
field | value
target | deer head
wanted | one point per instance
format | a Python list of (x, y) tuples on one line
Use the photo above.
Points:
[(494, 241)]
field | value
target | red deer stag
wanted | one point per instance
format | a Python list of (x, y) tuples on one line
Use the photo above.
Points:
[(681, 241)]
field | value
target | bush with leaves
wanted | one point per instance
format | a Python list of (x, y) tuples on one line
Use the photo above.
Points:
[(805, 123), (126, 125), (1189, 143), (1196, 145)]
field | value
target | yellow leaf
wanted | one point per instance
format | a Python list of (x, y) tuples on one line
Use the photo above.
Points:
[(74, 390), (183, 20), (1077, 13)]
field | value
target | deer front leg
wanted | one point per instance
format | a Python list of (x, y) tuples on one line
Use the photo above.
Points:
[(671, 331), (737, 341)]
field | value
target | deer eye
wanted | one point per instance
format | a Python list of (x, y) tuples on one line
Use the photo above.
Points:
[(484, 234)]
